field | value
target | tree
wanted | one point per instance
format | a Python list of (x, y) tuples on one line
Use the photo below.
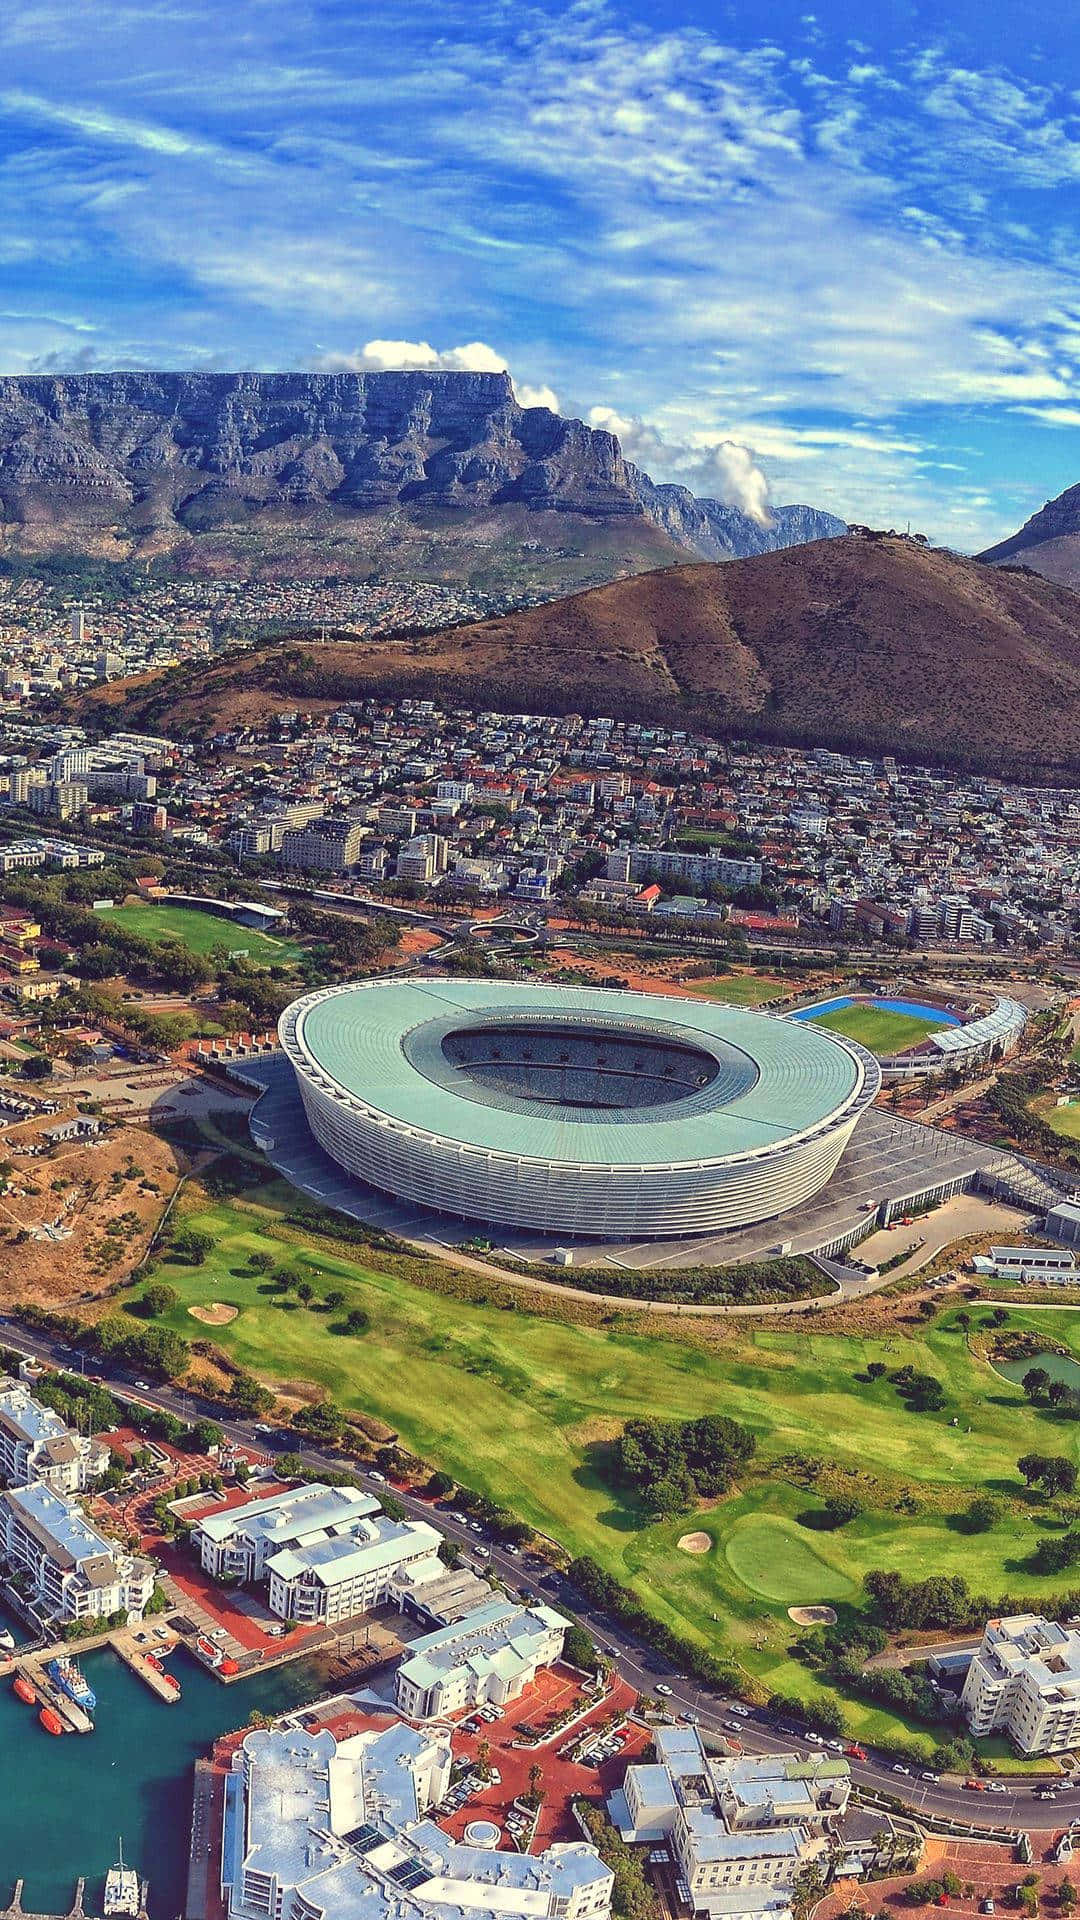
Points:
[(876, 1370), (483, 1758), (159, 1299), (192, 1245), (840, 1508), (334, 1299), (579, 1649), (1035, 1382), (357, 1321), (247, 1397), (980, 1515), (305, 1291), (1030, 1467)]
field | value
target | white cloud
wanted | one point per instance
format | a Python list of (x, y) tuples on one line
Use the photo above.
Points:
[(712, 466), (381, 356)]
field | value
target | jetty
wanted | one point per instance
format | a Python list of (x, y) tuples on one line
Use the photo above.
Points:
[(74, 1717), (16, 1911)]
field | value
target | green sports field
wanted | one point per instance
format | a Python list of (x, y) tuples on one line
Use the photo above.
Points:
[(878, 1030), (524, 1408), (200, 932), (742, 989)]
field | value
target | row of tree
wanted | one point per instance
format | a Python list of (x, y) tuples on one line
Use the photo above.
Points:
[(670, 1464)]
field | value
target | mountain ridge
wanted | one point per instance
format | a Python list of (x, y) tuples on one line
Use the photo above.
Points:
[(1049, 541), (142, 462)]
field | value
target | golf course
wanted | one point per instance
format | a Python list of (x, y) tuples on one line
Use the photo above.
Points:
[(525, 1408)]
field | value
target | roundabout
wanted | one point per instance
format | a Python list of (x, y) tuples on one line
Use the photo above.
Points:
[(575, 1110)]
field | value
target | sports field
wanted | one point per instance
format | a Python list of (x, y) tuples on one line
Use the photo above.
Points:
[(882, 1032), (524, 1408), (742, 989), (1061, 1120), (200, 932)]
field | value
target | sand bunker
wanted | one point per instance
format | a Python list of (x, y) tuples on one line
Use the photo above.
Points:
[(812, 1616), (694, 1543), (218, 1315)]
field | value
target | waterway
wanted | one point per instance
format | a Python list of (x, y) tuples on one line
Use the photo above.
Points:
[(64, 1802)]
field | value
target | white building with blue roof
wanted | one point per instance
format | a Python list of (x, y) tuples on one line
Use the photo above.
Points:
[(75, 1572), (487, 1658), (320, 1829), (37, 1444), (737, 1829)]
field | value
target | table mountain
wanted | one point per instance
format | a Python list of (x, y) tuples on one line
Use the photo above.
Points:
[(439, 464)]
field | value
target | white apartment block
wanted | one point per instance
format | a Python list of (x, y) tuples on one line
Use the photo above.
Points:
[(327, 1553), (486, 1659), (1025, 1681), (738, 1830), (75, 1573), (36, 1444), (320, 1829), (237, 1542), (674, 866)]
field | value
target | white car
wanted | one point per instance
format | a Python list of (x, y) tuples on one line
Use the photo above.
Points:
[(663, 1689), (899, 1769)]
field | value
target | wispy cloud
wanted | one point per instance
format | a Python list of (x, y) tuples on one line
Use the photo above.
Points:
[(829, 267)]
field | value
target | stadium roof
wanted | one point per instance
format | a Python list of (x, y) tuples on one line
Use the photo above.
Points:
[(777, 1077)]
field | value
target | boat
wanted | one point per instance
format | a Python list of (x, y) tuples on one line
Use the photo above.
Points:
[(68, 1676), (124, 1892), (7, 1640), (172, 1683), (207, 1651), (51, 1720), (24, 1690)]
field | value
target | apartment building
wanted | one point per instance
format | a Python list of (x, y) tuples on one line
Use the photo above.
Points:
[(740, 1829), (36, 1444), (323, 846), (327, 1553), (73, 1571), (1024, 1681), (319, 1826), (487, 1658), (673, 866)]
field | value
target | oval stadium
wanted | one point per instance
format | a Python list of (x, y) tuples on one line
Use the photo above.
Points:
[(574, 1110)]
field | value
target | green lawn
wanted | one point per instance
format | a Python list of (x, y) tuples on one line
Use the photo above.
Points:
[(882, 1032), (742, 989), (523, 1407), (200, 932), (1061, 1120)]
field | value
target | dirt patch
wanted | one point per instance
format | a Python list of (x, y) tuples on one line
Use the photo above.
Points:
[(216, 1315), (694, 1542), (812, 1616), (102, 1199)]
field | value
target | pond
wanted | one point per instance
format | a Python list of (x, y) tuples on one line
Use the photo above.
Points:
[(1060, 1366)]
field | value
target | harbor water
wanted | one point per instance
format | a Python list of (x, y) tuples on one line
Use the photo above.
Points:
[(64, 1802)]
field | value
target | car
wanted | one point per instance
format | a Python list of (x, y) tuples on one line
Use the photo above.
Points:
[(495, 1777), (904, 1770), (741, 1713), (986, 1906), (732, 1726), (482, 1553), (996, 1786), (663, 1689), (143, 1385), (927, 1775), (475, 1527), (855, 1752), (379, 1479), (815, 1739), (262, 1426), (974, 1786)]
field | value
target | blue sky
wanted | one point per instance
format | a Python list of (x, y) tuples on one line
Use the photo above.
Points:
[(826, 253)]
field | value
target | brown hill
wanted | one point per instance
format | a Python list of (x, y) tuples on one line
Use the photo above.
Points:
[(874, 642)]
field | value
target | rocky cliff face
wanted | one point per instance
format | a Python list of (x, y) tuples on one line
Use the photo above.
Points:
[(169, 454), (1049, 542)]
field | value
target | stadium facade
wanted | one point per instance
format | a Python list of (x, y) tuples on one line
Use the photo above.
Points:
[(571, 1110)]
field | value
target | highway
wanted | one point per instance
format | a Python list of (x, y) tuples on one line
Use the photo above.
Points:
[(756, 1731)]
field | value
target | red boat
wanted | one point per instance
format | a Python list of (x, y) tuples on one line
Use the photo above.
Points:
[(51, 1720), (24, 1690), (171, 1680)]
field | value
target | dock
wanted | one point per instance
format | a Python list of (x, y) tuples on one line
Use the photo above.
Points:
[(125, 1643), (74, 1717), (16, 1911)]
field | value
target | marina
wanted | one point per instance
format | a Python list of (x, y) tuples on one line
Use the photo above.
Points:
[(135, 1776)]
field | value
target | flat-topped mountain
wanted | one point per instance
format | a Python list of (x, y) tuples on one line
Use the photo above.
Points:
[(435, 469), (1049, 541), (874, 643)]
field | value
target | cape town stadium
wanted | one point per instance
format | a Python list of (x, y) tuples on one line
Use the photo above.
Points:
[(574, 1110)]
